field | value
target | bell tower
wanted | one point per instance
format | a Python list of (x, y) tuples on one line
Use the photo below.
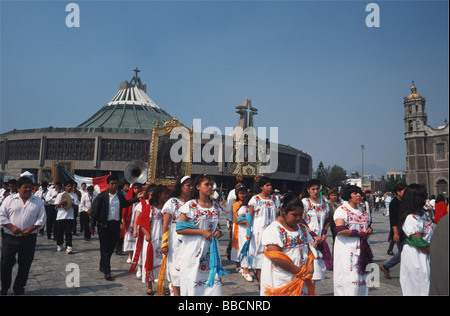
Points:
[(415, 114)]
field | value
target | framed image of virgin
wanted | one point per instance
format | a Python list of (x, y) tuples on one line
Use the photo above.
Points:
[(170, 153)]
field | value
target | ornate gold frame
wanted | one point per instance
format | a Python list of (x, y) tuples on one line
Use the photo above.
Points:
[(157, 133)]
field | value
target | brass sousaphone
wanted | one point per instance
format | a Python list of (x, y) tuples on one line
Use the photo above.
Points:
[(136, 171)]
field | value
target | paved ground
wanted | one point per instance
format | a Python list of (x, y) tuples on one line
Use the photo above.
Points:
[(48, 273)]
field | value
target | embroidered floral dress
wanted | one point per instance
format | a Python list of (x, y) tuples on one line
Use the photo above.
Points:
[(347, 281), (172, 207), (414, 264), (315, 215), (242, 234), (194, 263), (156, 220), (294, 244), (129, 241), (265, 212)]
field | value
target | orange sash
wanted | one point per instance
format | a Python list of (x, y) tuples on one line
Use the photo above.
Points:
[(235, 240), (293, 288)]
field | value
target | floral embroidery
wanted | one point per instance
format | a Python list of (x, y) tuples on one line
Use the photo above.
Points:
[(293, 239)]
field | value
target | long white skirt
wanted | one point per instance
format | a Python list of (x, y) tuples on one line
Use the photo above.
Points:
[(414, 272), (194, 268)]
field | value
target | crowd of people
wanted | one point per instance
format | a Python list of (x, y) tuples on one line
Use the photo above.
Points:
[(171, 234)]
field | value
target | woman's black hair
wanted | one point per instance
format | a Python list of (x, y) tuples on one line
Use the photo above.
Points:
[(349, 189), (308, 184), (176, 192), (413, 201), (240, 187), (157, 191), (290, 201), (248, 197), (263, 181), (198, 180), (440, 198)]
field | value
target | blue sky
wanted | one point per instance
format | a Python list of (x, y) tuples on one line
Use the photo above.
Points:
[(312, 68)]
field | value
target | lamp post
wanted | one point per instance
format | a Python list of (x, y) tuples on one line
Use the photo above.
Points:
[(362, 164)]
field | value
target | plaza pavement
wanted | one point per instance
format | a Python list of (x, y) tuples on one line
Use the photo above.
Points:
[(51, 269)]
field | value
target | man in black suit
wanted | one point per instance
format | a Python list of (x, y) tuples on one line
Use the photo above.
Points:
[(107, 216)]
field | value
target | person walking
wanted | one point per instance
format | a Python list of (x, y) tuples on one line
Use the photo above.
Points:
[(440, 208), (85, 211), (317, 220), (106, 216), (288, 267), (394, 208), (417, 229), (263, 210), (200, 268), (51, 215), (352, 251), (172, 245), (65, 204), (21, 215)]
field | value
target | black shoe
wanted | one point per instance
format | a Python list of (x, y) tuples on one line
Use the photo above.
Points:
[(390, 253), (108, 277)]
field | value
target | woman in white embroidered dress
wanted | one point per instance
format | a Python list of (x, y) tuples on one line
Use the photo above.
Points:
[(352, 225), (182, 193), (243, 237), (417, 228), (263, 210), (159, 196), (288, 235), (139, 245), (129, 241), (315, 215), (203, 213)]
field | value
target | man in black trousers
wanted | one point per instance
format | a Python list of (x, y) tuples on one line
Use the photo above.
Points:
[(107, 216), (21, 215)]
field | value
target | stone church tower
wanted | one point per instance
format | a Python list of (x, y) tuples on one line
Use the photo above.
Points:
[(427, 148)]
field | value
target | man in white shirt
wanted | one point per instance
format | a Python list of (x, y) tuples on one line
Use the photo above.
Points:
[(50, 198), (21, 215), (65, 218), (106, 216), (85, 211), (42, 194)]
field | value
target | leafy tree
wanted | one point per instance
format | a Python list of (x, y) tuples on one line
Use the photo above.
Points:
[(321, 173), (331, 177), (336, 176)]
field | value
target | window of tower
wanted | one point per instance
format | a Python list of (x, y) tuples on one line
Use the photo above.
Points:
[(440, 151)]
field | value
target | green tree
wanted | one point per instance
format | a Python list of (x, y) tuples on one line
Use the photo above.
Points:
[(321, 173), (336, 176)]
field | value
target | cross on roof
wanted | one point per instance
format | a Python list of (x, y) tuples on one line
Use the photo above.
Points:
[(136, 71), (246, 111)]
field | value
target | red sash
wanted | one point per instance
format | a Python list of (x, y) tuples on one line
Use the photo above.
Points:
[(144, 221), (126, 214)]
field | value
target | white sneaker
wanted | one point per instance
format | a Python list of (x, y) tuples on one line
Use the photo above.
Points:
[(69, 250), (58, 248), (139, 273), (247, 277), (129, 260)]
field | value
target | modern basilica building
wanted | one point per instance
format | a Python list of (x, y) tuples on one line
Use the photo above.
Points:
[(121, 132)]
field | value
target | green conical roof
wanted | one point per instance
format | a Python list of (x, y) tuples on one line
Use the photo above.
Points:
[(130, 109)]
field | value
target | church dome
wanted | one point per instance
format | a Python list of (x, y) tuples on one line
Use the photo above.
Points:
[(131, 108), (414, 94)]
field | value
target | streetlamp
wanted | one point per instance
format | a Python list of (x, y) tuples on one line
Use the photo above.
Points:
[(362, 163)]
